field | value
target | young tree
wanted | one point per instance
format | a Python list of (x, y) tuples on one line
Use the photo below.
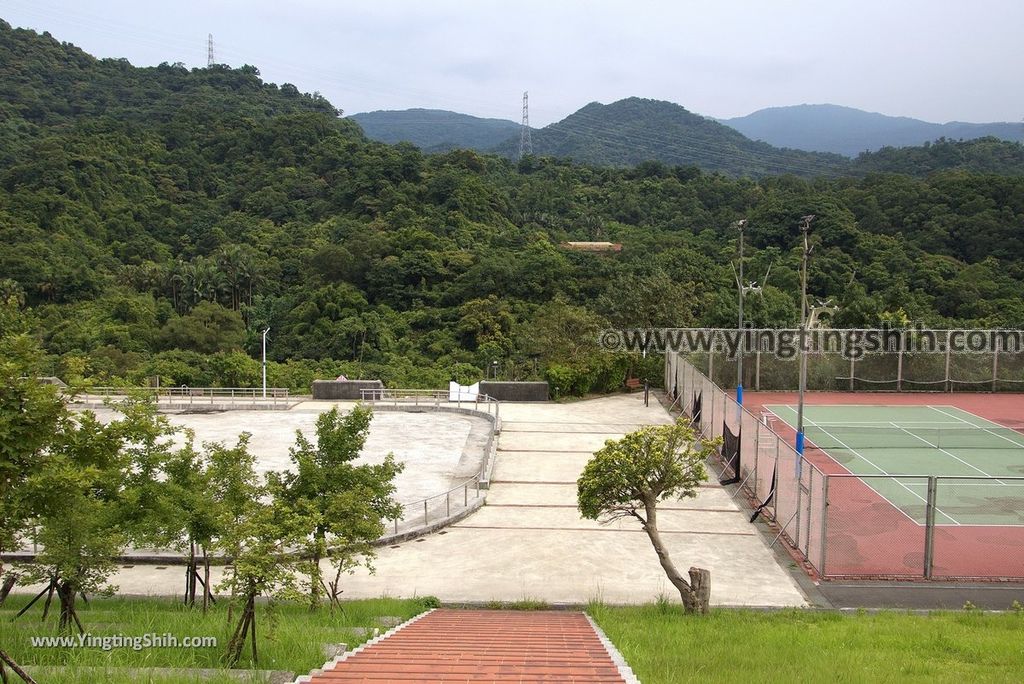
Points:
[(85, 496), (29, 414), (257, 532), (345, 504), (192, 515), (630, 476)]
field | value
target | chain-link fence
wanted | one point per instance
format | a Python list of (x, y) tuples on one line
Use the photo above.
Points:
[(845, 525), (894, 371)]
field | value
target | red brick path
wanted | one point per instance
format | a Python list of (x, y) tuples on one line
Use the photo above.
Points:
[(482, 646)]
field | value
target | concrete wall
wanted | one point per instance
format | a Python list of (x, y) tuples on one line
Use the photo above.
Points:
[(515, 391), (349, 390)]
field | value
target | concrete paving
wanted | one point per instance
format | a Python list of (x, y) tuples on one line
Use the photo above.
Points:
[(529, 542), (438, 449)]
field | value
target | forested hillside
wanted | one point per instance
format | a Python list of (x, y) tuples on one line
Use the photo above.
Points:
[(435, 130), (154, 221)]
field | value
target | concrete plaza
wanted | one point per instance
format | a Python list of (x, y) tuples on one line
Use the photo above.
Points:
[(529, 541)]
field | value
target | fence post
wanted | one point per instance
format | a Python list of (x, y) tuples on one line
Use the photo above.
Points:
[(711, 421), (824, 524), (757, 370), (949, 385), (899, 370), (711, 363), (799, 503), (929, 527), (810, 518), (757, 450), (775, 498), (853, 371), (995, 366)]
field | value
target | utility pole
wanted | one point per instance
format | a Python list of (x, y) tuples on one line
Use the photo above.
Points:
[(805, 227), (741, 225), (209, 50), (265, 361), (525, 141)]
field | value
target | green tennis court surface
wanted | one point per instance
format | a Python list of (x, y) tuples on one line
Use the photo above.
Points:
[(906, 441)]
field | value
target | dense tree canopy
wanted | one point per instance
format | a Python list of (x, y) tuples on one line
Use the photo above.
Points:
[(156, 220)]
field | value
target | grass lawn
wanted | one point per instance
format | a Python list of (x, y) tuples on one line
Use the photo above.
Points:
[(663, 645), (290, 637)]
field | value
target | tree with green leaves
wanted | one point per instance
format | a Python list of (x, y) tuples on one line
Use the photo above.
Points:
[(192, 519), (257, 532), (346, 505), (88, 496), (629, 477), (30, 412)]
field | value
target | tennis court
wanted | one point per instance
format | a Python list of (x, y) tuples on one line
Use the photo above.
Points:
[(980, 461), (908, 485)]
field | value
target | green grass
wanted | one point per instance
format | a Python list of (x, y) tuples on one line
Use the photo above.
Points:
[(290, 637), (663, 645)]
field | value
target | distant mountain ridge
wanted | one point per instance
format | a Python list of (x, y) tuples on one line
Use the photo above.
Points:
[(637, 130), (849, 131), (634, 130), (435, 130)]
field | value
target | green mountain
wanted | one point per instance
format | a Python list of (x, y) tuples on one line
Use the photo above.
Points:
[(635, 130), (848, 131), (155, 221), (435, 130)]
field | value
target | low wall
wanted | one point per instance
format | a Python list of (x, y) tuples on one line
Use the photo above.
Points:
[(515, 391), (347, 390)]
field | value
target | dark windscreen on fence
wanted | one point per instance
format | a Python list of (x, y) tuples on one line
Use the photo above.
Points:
[(730, 456)]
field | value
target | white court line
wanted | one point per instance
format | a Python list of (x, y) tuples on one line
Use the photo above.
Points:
[(938, 448), (885, 423), (990, 422), (880, 470)]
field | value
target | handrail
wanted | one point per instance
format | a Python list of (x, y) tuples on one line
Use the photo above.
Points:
[(189, 398), (414, 506), (186, 391), (433, 397), (441, 399)]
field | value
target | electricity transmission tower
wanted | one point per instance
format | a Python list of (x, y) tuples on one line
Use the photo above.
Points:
[(525, 141), (209, 50)]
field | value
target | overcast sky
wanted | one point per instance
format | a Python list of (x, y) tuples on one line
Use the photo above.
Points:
[(938, 60)]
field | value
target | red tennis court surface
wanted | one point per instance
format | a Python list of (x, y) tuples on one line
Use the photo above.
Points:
[(865, 535), (482, 646)]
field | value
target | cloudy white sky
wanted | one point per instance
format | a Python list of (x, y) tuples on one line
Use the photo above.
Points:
[(938, 60)]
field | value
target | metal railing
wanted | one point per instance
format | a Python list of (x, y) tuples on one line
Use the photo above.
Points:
[(185, 396), (421, 513), (433, 398), (440, 506)]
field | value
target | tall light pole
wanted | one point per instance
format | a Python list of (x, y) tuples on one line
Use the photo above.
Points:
[(741, 224), (805, 227), (265, 361)]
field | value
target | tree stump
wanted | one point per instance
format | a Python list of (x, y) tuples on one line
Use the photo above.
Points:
[(700, 583)]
